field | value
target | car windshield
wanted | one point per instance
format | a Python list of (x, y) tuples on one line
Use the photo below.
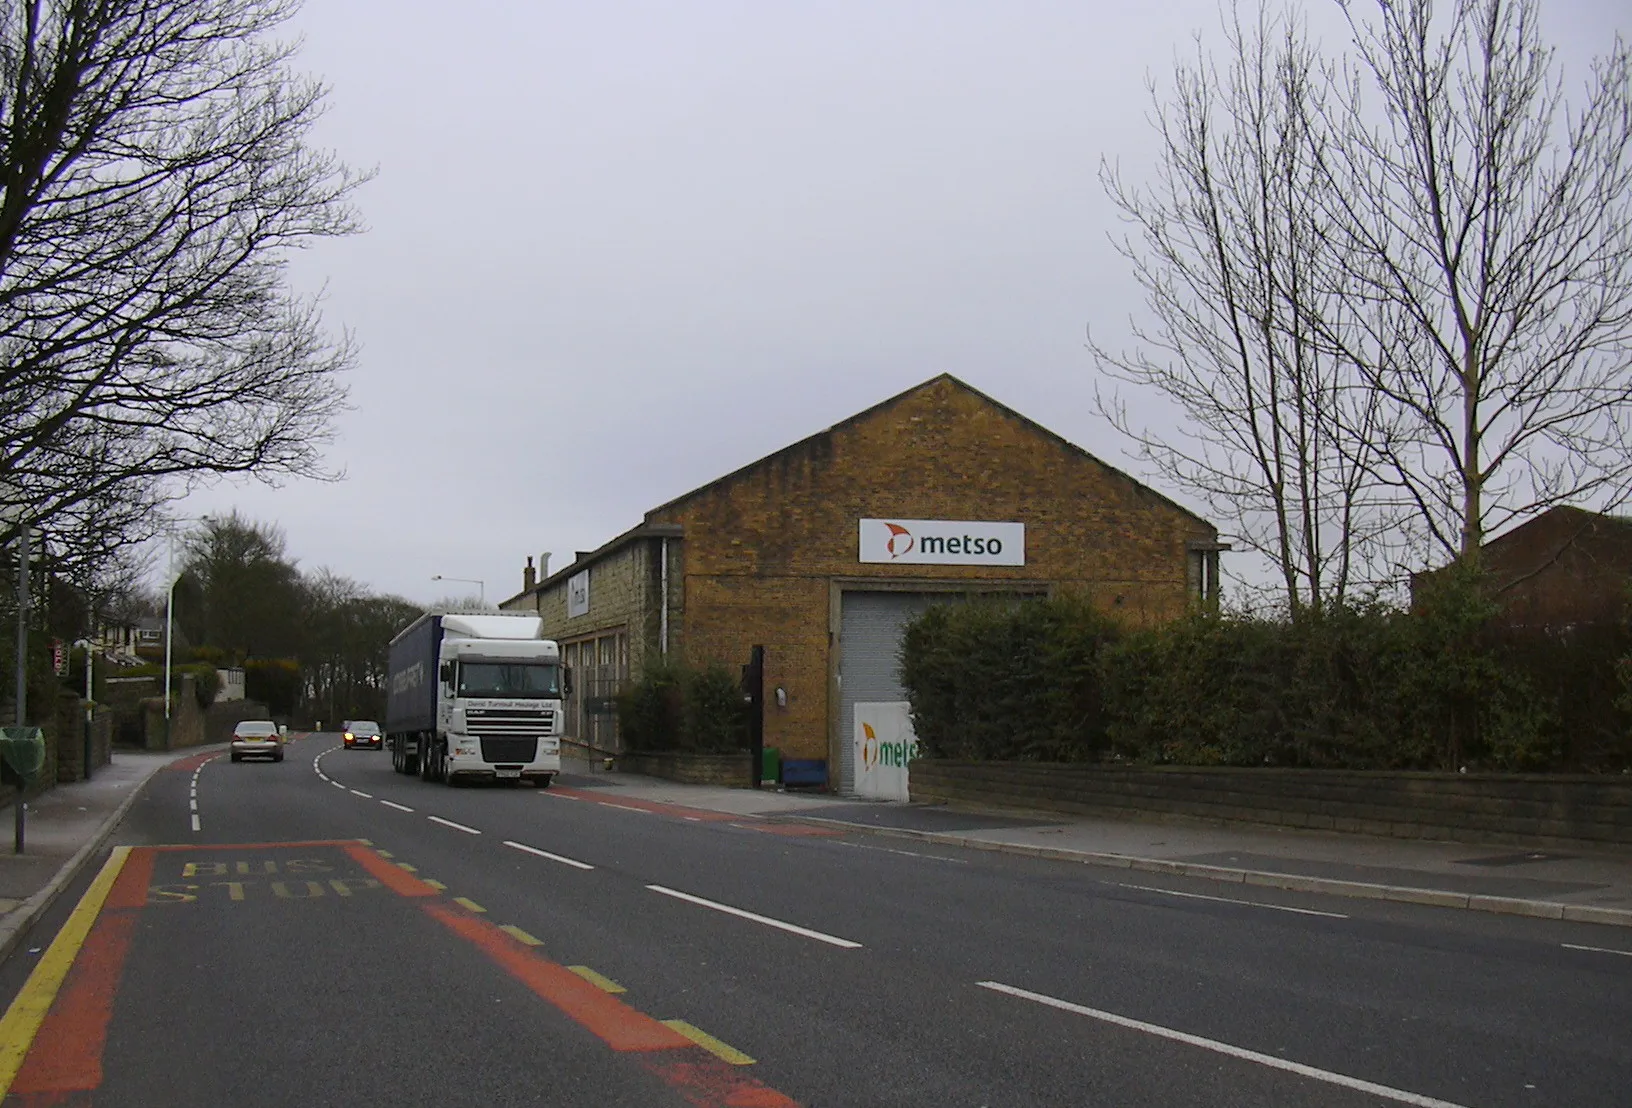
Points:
[(364, 727), (256, 727), (540, 680)]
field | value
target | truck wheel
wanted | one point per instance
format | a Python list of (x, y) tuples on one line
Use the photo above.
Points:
[(427, 760)]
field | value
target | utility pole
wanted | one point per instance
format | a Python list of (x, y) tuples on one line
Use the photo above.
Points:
[(22, 668)]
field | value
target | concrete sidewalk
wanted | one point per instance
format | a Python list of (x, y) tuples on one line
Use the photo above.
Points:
[(64, 828), (1585, 886)]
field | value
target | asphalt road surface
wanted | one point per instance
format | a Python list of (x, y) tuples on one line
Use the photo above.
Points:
[(325, 932)]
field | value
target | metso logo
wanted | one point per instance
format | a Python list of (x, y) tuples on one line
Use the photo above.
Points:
[(902, 542), (943, 542)]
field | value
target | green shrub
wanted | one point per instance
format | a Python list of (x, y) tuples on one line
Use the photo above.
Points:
[(994, 678), (1361, 687), (677, 707), (649, 709)]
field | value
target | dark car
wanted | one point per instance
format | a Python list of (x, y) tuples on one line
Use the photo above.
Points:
[(363, 734)]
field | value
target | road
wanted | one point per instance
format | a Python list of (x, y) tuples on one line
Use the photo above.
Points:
[(325, 932)]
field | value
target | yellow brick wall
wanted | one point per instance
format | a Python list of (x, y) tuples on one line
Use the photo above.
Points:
[(762, 547)]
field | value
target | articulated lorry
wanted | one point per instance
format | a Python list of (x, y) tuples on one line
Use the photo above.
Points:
[(475, 696)]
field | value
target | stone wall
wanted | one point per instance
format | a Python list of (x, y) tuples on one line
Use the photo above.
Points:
[(1571, 811), (693, 769)]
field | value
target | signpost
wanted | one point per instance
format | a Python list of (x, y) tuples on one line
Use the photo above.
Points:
[(753, 691)]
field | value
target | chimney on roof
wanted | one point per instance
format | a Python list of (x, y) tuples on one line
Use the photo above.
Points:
[(544, 565), (529, 576)]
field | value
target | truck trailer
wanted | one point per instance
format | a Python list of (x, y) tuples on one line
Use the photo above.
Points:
[(476, 696)]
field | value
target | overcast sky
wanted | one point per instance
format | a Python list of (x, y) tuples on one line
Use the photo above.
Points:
[(616, 250)]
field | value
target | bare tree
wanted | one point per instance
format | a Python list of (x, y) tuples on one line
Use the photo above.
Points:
[(155, 172), (1490, 221), (1231, 247), (1392, 291)]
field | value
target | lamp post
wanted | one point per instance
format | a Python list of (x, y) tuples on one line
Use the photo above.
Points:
[(170, 619), (481, 586)]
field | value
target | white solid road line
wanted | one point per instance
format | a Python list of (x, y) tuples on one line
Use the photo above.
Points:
[(455, 826), (361, 793), (832, 940), (1598, 949), (1231, 900), (546, 854), (398, 807), (1370, 1088), (626, 808)]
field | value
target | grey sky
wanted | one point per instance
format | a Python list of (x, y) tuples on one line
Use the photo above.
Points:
[(619, 249)]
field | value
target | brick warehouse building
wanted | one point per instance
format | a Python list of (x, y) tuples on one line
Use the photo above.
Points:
[(822, 551)]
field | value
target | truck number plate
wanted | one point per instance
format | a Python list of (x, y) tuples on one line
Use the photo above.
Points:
[(502, 772)]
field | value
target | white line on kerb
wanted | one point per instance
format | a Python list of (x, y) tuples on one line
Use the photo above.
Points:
[(1343, 1080), (1231, 900), (546, 854), (196, 826), (398, 807), (1598, 949), (361, 793), (455, 826), (832, 940)]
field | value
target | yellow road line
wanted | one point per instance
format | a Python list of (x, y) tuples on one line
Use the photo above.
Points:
[(597, 980), (22, 1020), (381, 853), (709, 1043), (466, 902), (517, 933), (406, 866), (437, 885)]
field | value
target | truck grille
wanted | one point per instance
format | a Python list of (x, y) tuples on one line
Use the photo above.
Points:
[(506, 721), (509, 750)]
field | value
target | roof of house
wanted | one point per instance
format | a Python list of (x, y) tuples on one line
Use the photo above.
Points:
[(648, 529), (866, 413)]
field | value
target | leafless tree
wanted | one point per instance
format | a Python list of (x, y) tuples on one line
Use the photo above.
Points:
[(155, 172), (1392, 290), (1490, 220), (1231, 247)]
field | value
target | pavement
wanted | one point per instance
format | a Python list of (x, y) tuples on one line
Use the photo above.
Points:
[(67, 826), (64, 828), (1581, 885)]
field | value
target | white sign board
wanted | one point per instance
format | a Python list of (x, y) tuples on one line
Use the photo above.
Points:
[(943, 542), (578, 594), (884, 745)]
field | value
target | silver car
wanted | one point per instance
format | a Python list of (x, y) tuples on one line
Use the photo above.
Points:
[(257, 738)]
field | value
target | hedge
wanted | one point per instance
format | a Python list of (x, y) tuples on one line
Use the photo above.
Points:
[(1364, 687)]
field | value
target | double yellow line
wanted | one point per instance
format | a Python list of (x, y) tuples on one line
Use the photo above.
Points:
[(22, 1020)]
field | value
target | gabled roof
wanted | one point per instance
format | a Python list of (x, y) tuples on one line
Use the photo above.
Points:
[(867, 413), (649, 529)]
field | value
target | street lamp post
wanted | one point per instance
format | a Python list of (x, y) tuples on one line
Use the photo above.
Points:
[(481, 586), (170, 620)]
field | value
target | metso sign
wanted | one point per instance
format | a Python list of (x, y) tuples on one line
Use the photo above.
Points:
[(943, 542)]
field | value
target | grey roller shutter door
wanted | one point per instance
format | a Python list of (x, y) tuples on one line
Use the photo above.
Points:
[(870, 628)]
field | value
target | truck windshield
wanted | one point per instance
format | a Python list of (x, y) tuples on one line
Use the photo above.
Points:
[(518, 679)]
